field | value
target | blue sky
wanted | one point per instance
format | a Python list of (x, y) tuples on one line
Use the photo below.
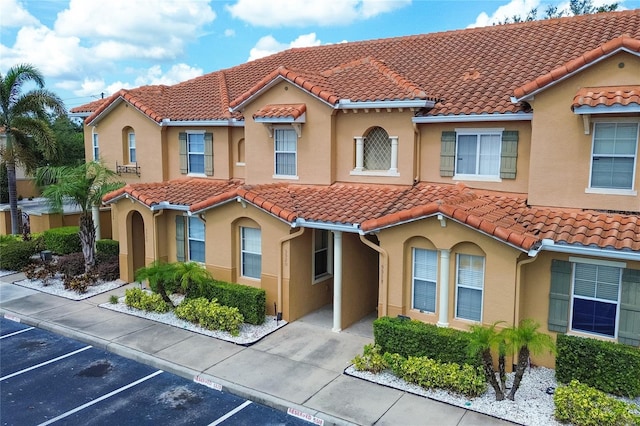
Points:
[(88, 47)]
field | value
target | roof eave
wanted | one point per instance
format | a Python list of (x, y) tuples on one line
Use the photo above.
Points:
[(550, 245), (604, 109), (233, 122), (476, 118), (405, 103)]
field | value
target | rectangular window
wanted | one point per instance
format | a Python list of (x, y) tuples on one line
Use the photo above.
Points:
[(469, 287), (478, 154), (321, 254), (614, 155), (250, 252), (96, 151), (425, 270), (286, 141), (196, 239), (195, 152), (596, 295), (132, 148)]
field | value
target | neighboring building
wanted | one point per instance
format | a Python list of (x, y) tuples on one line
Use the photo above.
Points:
[(471, 176)]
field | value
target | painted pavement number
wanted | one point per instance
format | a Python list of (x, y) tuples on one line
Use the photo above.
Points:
[(50, 379)]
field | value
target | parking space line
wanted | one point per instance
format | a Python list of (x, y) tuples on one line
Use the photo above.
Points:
[(44, 363), (103, 397), (17, 332), (230, 413)]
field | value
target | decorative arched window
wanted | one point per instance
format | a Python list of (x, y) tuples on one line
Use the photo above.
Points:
[(129, 146), (376, 153)]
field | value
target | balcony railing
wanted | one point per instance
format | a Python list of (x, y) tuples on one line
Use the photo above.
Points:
[(128, 169)]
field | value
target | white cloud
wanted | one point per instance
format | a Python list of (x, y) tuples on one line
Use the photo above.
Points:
[(20, 17), (176, 74), (298, 13), (268, 45), (507, 11)]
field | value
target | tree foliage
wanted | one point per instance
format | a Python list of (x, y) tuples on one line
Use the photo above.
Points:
[(575, 7)]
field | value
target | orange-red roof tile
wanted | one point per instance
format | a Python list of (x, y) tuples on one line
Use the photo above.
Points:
[(291, 111), (472, 71), (607, 96)]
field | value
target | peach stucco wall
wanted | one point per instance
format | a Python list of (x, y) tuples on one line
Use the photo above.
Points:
[(561, 153)]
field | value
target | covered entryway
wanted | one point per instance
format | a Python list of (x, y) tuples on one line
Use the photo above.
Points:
[(136, 241)]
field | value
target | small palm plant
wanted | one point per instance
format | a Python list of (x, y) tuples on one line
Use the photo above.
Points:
[(483, 341), (527, 340), (161, 277), (191, 276)]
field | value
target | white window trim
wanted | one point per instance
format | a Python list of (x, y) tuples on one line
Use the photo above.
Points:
[(189, 239), (329, 273), (484, 265), (359, 170), (618, 304), (275, 152), (613, 191), (243, 251), (130, 148), (194, 132), (413, 281), (498, 131), (95, 145)]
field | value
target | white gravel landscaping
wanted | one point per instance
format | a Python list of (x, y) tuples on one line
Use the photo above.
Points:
[(55, 286), (249, 333)]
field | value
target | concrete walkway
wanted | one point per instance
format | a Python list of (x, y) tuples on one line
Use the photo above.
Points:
[(299, 366)]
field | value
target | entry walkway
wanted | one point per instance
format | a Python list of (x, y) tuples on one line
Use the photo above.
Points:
[(298, 367)]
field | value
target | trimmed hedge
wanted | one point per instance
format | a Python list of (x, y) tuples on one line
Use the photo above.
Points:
[(582, 405), (17, 254), (411, 338), (139, 299), (210, 315), (64, 240), (71, 264), (250, 301), (108, 247), (608, 366)]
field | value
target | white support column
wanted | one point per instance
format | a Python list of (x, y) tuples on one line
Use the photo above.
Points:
[(443, 305), (95, 215), (359, 153), (337, 281), (394, 154)]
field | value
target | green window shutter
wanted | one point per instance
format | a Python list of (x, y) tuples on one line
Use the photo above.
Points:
[(180, 243), (184, 163), (559, 296), (509, 154), (447, 153), (208, 154), (629, 326)]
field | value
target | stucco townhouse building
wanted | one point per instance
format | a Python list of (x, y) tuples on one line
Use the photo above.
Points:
[(462, 177)]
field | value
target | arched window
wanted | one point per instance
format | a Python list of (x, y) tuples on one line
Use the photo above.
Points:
[(129, 145), (377, 150), (240, 152)]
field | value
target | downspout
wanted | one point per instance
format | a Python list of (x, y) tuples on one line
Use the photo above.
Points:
[(516, 307), (283, 240), (385, 271), (156, 246)]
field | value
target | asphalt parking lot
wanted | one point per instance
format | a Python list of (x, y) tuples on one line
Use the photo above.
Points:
[(49, 379)]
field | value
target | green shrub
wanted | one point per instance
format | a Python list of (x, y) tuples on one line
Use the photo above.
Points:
[(583, 405), (108, 247), (608, 366), (79, 283), (429, 373), (71, 264), (415, 338), (250, 301), (139, 299), (17, 254), (371, 360), (63, 240), (210, 315)]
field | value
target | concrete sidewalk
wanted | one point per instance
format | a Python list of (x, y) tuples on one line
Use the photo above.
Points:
[(299, 366)]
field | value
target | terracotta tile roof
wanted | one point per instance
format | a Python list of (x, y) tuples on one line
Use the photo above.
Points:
[(292, 111), (575, 64), (607, 96), (472, 71), (88, 108), (373, 207)]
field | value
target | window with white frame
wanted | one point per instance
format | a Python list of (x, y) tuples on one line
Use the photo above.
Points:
[(425, 270), (595, 298), (478, 153), (132, 147), (96, 150), (195, 152), (285, 141), (322, 261), (250, 252), (469, 286), (377, 150), (613, 155), (195, 234)]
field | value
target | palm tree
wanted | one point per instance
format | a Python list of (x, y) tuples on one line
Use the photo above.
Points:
[(526, 339), (191, 276), (161, 277), (25, 123), (483, 340), (85, 185)]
